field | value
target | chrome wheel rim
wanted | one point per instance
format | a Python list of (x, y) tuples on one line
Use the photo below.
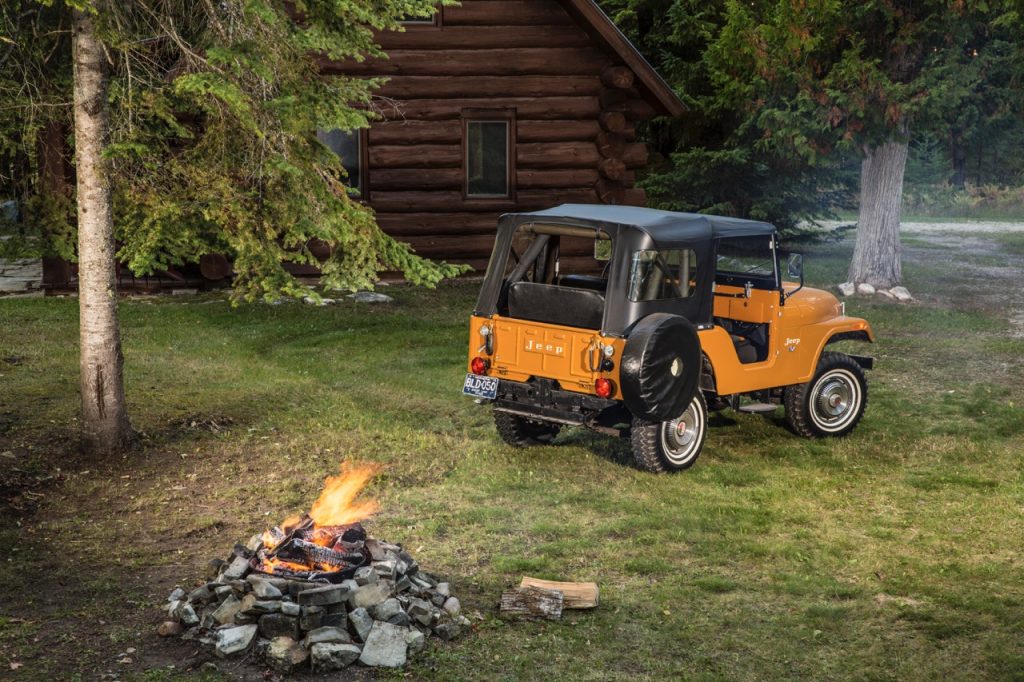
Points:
[(681, 437), (835, 400)]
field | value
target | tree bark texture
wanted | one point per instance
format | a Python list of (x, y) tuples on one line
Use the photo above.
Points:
[(876, 256), (105, 426)]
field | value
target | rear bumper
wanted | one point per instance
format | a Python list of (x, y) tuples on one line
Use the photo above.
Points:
[(542, 399)]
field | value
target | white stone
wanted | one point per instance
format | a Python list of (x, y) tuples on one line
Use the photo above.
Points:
[(285, 654), (233, 640), (847, 288), (452, 606), (865, 289), (327, 635), (901, 294), (225, 613), (362, 623), (415, 641), (886, 294), (326, 657), (385, 646), (370, 297)]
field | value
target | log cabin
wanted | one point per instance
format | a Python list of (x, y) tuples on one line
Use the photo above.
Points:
[(491, 106), (496, 106)]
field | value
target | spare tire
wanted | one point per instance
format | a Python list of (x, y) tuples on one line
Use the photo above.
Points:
[(660, 368)]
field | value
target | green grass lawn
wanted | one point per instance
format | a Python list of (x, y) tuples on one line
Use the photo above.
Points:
[(894, 554)]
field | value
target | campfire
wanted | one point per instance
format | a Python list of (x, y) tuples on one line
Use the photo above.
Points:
[(317, 590)]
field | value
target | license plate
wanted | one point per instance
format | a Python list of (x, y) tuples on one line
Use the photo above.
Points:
[(481, 387)]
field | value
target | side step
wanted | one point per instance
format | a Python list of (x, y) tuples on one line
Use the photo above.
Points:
[(757, 408)]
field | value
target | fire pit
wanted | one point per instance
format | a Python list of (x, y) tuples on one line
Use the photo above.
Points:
[(318, 591)]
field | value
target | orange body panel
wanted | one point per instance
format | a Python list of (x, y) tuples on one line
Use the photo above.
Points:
[(797, 334)]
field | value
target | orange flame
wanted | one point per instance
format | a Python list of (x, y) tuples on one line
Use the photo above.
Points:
[(336, 505)]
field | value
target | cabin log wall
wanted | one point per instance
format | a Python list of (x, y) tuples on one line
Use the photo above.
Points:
[(575, 107)]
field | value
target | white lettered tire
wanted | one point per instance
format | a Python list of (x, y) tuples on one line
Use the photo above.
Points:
[(671, 445), (830, 404)]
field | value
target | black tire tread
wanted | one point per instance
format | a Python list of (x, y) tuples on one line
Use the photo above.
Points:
[(521, 432), (795, 397), (645, 440)]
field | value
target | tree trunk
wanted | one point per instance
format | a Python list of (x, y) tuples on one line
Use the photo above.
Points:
[(105, 427), (876, 256)]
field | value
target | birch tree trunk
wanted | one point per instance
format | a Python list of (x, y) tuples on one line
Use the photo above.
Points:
[(876, 255), (105, 427)]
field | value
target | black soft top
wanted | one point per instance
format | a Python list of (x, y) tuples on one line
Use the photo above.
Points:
[(631, 229), (664, 227)]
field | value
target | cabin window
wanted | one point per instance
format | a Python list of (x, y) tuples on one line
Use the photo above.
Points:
[(663, 274), (348, 145), (488, 143), (429, 19)]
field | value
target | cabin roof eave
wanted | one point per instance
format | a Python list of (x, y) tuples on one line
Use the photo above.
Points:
[(602, 28)]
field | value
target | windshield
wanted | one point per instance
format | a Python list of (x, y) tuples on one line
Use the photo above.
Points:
[(746, 259)]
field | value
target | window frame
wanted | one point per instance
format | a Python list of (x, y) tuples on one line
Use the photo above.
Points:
[(693, 264), (436, 21), (508, 116), (363, 140)]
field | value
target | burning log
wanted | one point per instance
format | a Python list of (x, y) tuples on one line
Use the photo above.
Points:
[(319, 554)]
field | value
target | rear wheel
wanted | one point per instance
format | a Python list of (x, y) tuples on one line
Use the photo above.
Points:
[(671, 445), (830, 404), (522, 432)]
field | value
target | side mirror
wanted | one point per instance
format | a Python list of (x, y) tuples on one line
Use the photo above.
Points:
[(795, 267)]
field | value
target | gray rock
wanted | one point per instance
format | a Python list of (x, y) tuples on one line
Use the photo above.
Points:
[(886, 294), (444, 589), (255, 542), (415, 641), (232, 640), (338, 619), (438, 599), (368, 595), (311, 617), (290, 608), (221, 592), (236, 570), (275, 625), (225, 613), (386, 609), (186, 614), (370, 297), (329, 594), (177, 594), (385, 646), (447, 631), (264, 590), (253, 606), (377, 553), (386, 569), (285, 654), (420, 611), (361, 622), (213, 568), (402, 584), (327, 635), (245, 618), (401, 619), (865, 289), (847, 288), (327, 657), (365, 575), (350, 585), (452, 606), (901, 294)]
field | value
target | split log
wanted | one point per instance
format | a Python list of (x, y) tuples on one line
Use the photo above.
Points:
[(620, 77), (432, 87), (532, 603), (575, 595), (613, 121), (610, 145), (483, 37), (554, 61), (556, 131), (415, 156), (506, 13), (555, 179), (538, 108), (613, 169), (557, 155)]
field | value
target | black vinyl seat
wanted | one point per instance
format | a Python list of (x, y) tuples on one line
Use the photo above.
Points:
[(553, 304)]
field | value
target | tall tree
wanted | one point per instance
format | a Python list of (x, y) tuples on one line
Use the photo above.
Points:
[(195, 132), (822, 75), (105, 424)]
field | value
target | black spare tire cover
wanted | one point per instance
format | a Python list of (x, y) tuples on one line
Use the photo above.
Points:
[(660, 367)]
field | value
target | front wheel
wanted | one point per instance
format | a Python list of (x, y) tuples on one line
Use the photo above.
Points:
[(830, 404), (522, 432), (671, 445)]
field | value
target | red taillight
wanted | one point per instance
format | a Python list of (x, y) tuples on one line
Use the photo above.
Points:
[(604, 388), (479, 366)]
